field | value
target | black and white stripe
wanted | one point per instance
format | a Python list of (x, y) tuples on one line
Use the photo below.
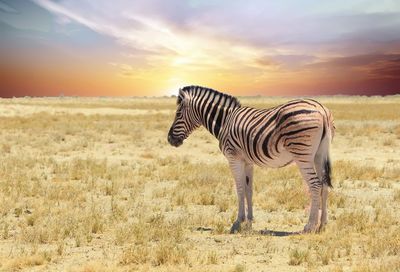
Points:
[(299, 131)]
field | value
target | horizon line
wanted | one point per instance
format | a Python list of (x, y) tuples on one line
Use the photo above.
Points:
[(174, 96)]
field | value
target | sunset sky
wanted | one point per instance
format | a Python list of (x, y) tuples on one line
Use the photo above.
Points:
[(153, 47)]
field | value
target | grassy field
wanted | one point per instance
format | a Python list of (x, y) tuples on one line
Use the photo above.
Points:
[(93, 185)]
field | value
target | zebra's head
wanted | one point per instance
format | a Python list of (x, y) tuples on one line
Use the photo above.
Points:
[(185, 120)]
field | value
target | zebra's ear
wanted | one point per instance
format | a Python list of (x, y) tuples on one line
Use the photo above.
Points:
[(181, 96)]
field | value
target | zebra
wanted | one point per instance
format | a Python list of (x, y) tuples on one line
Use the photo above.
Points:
[(299, 131)]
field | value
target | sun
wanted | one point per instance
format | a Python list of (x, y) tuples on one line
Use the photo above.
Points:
[(174, 85), (172, 91)]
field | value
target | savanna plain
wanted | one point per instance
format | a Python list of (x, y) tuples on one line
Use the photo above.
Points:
[(91, 184)]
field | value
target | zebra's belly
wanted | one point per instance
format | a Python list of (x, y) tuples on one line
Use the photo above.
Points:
[(282, 159)]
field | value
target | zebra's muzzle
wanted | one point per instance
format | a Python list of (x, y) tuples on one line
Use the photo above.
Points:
[(174, 141)]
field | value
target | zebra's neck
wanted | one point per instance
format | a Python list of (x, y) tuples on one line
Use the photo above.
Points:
[(212, 109)]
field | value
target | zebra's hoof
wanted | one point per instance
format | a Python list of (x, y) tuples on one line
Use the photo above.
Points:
[(310, 228), (235, 227)]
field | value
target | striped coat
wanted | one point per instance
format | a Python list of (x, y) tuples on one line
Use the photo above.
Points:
[(299, 131)]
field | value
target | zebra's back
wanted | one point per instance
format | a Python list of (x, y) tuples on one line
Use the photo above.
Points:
[(275, 137)]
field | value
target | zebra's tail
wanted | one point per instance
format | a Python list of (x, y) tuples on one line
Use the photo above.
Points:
[(327, 136), (327, 172)]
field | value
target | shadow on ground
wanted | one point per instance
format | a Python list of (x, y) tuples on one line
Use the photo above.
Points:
[(279, 233), (262, 232)]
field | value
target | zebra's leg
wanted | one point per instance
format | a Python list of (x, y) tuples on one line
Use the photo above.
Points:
[(315, 185), (319, 167), (324, 204), (238, 171), (249, 191)]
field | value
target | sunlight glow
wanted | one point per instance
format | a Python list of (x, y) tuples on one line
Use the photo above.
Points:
[(155, 47)]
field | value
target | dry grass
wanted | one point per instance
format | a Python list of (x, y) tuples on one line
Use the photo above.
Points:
[(92, 185), (298, 256)]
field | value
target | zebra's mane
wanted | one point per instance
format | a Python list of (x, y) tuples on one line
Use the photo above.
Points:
[(197, 90)]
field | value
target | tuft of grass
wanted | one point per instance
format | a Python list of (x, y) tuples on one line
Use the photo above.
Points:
[(28, 261), (5, 230), (298, 256), (345, 170), (167, 253), (389, 142), (239, 268), (136, 255), (371, 266), (396, 131), (325, 255), (396, 195), (336, 199), (212, 257), (380, 244), (6, 148), (353, 220), (94, 266), (223, 203), (220, 227)]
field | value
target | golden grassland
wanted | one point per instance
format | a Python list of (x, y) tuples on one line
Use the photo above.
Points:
[(93, 185)]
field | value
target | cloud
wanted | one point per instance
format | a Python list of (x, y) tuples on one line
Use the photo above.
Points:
[(210, 29), (367, 73), (114, 28), (388, 68), (365, 60), (4, 7), (267, 62), (152, 29), (262, 41), (287, 62), (289, 28), (129, 71)]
